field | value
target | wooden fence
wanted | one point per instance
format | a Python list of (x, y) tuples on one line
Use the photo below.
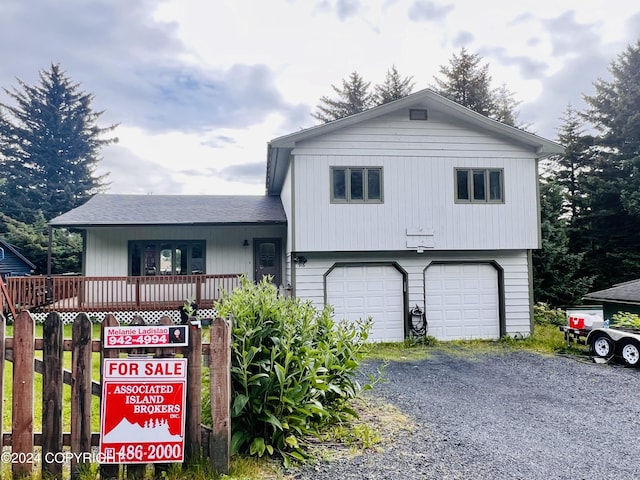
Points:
[(200, 441)]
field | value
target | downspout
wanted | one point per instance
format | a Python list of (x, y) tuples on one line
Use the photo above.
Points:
[(293, 226)]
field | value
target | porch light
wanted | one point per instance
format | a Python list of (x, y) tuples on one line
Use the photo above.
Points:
[(245, 243)]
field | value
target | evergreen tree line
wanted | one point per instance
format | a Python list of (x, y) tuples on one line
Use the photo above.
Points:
[(590, 196), (465, 80)]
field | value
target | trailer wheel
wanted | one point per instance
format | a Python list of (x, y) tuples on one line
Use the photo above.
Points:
[(630, 352), (602, 346)]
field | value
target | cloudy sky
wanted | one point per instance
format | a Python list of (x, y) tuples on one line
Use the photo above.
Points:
[(198, 87)]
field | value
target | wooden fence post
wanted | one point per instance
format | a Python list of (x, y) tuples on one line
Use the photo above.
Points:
[(52, 394), (80, 388), (22, 424), (108, 471), (193, 437), (220, 394)]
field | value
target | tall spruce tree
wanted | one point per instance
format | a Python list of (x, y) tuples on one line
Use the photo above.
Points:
[(615, 112), (466, 81), (574, 165), (611, 226), (353, 97), (49, 147), (393, 88)]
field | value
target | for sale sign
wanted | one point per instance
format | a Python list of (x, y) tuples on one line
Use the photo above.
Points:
[(147, 336), (143, 410)]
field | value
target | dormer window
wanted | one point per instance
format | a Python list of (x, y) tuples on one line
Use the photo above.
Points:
[(356, 184)]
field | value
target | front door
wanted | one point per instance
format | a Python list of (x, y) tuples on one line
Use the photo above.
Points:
[(267, 259)]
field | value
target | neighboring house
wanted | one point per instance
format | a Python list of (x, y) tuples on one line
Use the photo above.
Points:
[(12, 262), (622, 297), (418, 202)]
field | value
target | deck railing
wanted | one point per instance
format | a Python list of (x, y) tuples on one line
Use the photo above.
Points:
[(76, 293)]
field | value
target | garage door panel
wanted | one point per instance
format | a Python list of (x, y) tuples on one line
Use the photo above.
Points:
[(358, 292), (462, 301)]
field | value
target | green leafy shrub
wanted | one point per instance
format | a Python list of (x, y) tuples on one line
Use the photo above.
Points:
[(625, 319), (292, 369), (543, 314)]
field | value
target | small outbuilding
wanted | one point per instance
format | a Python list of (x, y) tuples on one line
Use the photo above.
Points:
[(12, 262), (622, 297)]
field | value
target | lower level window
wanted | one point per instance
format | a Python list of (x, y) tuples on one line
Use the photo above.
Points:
[(152, 257), (479, 185)]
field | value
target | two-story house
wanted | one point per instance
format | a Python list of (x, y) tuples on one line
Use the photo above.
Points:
[(418, 202)]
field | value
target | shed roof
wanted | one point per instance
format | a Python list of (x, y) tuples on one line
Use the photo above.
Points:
[(114, 210), (627, 292)]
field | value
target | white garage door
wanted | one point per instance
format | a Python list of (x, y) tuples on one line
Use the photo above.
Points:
[(462, 301), (369, 291)]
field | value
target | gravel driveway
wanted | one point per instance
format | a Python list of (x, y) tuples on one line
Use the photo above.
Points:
[(512, 415)]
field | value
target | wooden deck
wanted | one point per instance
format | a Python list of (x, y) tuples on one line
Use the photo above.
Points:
[(76, 293)]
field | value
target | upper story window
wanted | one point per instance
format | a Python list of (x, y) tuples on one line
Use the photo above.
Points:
[(479, 185), (173, 257), (356, 184)]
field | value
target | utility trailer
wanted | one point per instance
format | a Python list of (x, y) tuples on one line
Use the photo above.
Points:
[(603, 341), (616, 341)]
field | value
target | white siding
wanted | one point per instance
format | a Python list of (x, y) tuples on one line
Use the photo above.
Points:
[(418, 160), (107, 248), (514, 264)]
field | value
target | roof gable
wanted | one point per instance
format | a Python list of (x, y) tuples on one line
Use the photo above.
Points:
[(280, 148)]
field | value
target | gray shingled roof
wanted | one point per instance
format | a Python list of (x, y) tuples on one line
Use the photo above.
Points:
[(628, 292), (107, 209)]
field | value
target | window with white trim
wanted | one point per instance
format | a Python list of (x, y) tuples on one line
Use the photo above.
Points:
[(479, 185), (356, 185)]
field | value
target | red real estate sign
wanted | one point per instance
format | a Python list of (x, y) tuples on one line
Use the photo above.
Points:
[(145, 335), (143, 410)]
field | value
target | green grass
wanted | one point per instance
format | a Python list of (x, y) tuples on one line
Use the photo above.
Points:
[(546, 339)]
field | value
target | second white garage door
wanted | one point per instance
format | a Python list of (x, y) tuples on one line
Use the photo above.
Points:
[(369, 291), (462, 301)]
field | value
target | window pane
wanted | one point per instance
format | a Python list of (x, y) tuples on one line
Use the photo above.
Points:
[(267, 255), (495, 185), (339, 184), (181, 260), (150, 267), (197, 259), (136, 259), (357, 184), (374, 184), (478, 185), (462, 184), (166, 259)]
